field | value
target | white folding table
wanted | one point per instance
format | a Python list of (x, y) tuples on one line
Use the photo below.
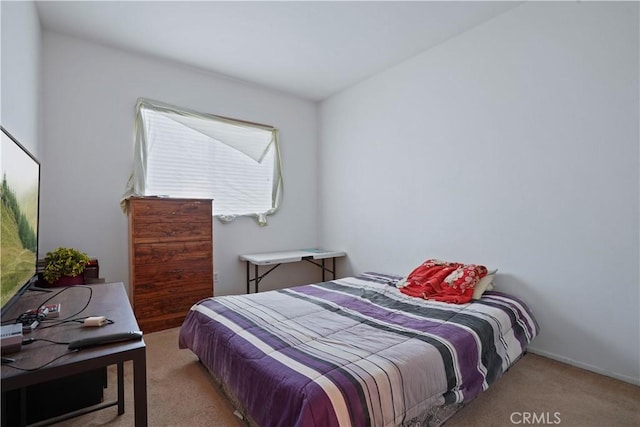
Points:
[(277, 258)]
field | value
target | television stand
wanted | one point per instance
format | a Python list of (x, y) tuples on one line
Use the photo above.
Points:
[(50, 363), (33, 285)]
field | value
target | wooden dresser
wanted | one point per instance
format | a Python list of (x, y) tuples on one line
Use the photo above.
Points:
[(171, 258)]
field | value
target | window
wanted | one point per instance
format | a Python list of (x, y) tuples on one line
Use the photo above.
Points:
[(181, 153)]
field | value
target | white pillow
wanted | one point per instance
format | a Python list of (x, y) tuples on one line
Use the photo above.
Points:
[(485, 284), (401, 283)]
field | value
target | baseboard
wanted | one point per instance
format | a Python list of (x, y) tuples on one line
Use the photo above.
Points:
[(625, 378)]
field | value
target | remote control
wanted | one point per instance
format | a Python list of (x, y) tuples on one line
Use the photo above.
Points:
[(104, 339)]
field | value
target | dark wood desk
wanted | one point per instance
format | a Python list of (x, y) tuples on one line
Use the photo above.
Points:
[(108, 300)]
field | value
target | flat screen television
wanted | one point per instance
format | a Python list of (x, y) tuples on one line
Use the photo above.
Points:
[(20, 193)]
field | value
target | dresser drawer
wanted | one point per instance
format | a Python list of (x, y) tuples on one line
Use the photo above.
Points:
[(150, 211), (156, 231), (159, 305), (171, 277), (160, 253)]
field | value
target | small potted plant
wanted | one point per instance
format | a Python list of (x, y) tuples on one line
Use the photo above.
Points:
[(64, 267)]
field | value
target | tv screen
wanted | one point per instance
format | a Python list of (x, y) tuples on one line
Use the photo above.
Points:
[(20, 208)]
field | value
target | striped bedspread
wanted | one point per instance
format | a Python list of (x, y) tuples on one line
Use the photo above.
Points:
[(354, 351)]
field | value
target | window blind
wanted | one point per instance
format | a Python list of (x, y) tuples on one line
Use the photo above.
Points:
[(180, 153)]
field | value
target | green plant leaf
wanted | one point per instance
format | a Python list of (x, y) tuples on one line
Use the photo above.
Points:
[(64, 262)]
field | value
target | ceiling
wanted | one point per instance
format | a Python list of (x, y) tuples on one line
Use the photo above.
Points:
[(308, 49)]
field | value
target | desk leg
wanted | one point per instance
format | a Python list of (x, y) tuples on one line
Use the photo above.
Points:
[(120, 388), (140, 388), (256, 278), (248, 278), (323, 269)]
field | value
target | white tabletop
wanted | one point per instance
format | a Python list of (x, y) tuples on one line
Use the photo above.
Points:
[(267, 258)]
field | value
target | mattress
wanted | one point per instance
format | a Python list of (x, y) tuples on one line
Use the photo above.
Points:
[(354, 351)]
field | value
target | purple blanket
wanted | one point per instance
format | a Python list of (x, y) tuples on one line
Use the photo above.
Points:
[(354, 351)]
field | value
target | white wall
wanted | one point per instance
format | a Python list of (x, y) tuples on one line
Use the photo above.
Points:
[(20, 76), (89, 97), (514, 145)]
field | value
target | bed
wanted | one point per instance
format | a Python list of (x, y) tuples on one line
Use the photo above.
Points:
[(355, 351)]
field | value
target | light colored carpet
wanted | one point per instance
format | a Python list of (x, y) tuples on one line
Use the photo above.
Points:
[(181, 393)]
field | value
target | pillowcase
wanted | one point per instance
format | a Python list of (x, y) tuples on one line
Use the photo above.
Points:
[(402, 282), (485, 284)]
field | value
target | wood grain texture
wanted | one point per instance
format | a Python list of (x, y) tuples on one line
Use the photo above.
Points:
[(171, 258)]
